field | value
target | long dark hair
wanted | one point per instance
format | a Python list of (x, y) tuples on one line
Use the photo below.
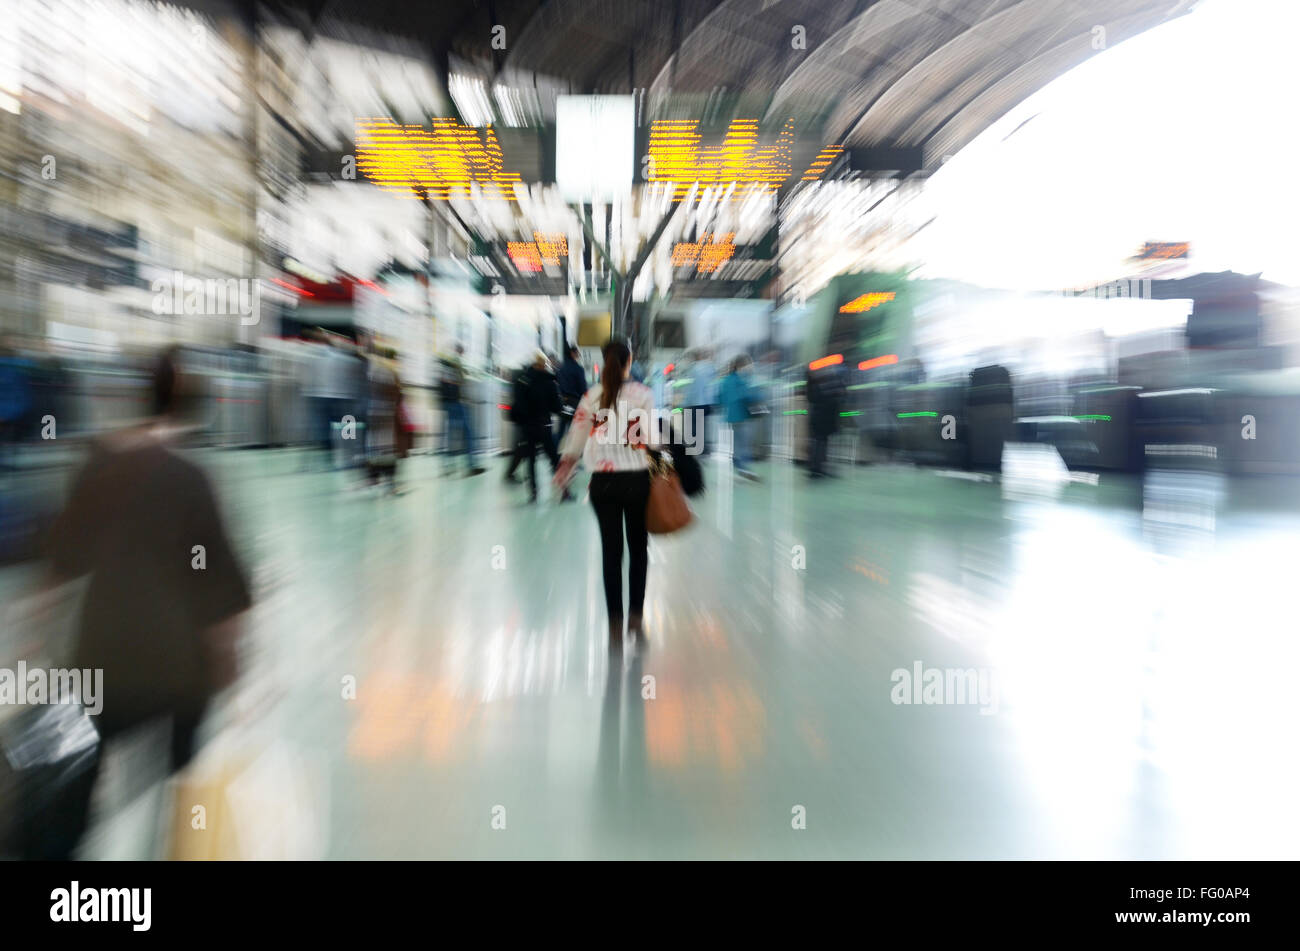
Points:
[(617, 355)]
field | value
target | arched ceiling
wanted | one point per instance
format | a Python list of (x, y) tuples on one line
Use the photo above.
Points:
[(887, 73)]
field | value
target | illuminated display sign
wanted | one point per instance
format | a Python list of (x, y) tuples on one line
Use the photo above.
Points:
[(552, 247), (543, 249), (860, 305), (525, 255), (448, 161), (822, 162), (706, 254), (678, 155), (1163, 250), (594, 148)]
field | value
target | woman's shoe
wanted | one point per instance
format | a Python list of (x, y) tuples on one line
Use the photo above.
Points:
[(635, 627), (616, 632)]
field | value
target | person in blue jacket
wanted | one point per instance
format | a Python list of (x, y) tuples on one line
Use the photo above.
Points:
[(15, 402), (737, 397), (701, 392)]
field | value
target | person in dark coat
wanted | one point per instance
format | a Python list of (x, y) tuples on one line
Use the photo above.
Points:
[(385, 438), (537, 398), (572, 381), (518, 380), (825, 392), (161, 615), (453, 396)]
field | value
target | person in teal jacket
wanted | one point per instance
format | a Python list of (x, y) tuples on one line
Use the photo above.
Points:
[(738, 396)]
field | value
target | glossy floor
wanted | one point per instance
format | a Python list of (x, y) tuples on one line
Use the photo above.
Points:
[(429, 674)]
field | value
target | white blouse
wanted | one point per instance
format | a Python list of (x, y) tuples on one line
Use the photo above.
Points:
[(601, 436)]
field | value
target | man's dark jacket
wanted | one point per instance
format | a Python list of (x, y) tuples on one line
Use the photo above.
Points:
[(536, 398), (572, 380)]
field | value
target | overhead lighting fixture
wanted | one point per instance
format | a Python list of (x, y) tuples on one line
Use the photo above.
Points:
[(1200, 391), (471, 98), (832, 360), (506, 100)]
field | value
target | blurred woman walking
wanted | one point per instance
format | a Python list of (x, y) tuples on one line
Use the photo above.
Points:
[(608, 433)]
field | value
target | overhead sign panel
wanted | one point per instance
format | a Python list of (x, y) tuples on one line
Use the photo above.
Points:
[(450, 161), (594, 144), (877, 159), (678, 154), (706, 255)]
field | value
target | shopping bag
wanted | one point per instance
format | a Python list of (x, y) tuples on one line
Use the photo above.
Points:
[(250, 796), (49, 752), (47, 774)]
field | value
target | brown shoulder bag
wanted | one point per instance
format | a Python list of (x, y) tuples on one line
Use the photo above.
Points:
[(666, 510)]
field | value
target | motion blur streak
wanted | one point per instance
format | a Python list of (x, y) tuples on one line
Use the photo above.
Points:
[(983, 314)]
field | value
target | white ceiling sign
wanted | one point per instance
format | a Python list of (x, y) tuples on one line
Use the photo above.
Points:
[(594, 142)]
